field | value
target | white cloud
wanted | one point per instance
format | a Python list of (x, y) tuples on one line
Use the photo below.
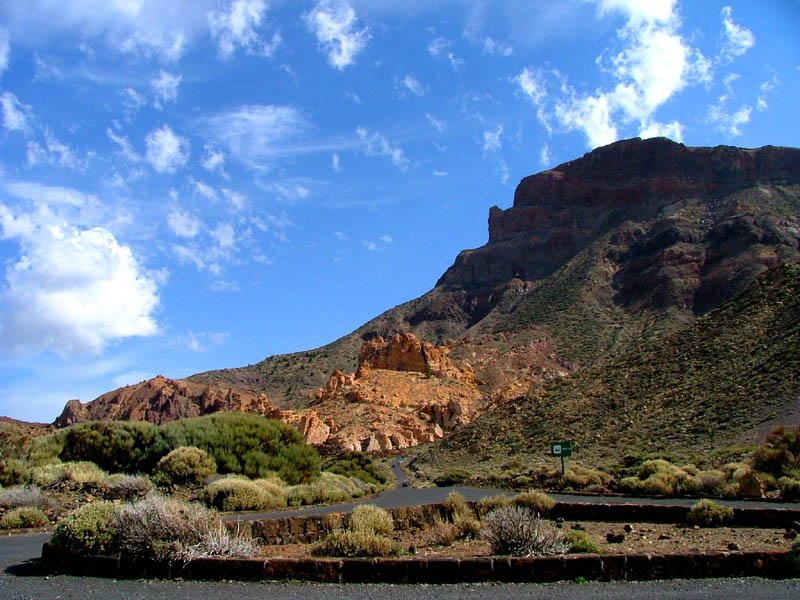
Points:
[(202, 341), (672, 130), (166, 87), (371, 246), (545, 159), (184, 224), (125, 148), (531, 85), (765, 88), (256, 134), (736, 40), (333, 22), (491, 46), (376, 144), (491, 140), (15, 114), (387, 239), (410, 83), (441, 47), (214, 158), (223, 234), (166, 151), (72, 291), (204, 190), (335, 165), (238, 28), (132, 101), (5, 50), (56, 153), (40, 194), (237, 200), (729, 123), (437, 124)]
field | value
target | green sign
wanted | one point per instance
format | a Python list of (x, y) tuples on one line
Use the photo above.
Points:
[(561, 448)]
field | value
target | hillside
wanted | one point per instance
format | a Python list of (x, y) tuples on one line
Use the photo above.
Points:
[(629, 242), (724, 380)]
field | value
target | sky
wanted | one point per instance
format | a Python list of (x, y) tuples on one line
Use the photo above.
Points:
[(200, 184)]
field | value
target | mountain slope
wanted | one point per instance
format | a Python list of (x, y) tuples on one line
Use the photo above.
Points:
[(726, 379)]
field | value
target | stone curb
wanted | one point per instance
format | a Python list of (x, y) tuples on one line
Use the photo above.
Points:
[(593, 567)]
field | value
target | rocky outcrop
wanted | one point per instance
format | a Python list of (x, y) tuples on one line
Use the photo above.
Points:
[(160, 400)]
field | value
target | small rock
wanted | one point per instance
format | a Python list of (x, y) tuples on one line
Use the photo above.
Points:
[(615, 538), (664, 536), (412, 549), (628, 528), (733, 546)]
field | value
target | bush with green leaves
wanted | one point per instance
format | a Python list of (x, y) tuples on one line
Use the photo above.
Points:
[(14, 471), (489, 503), (708, 513), (82, 472), (349, 544), (452, 477), (88, 530), (368, 518), (114, 446), (235, 494), (579, 542), (538, 502), (358, 465), (518, 531), (779, 455), (184, 465), (789, 488), (24, 517)]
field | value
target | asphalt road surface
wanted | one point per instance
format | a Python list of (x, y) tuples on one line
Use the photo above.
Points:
[(20, 580)]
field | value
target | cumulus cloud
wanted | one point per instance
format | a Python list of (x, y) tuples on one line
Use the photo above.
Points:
[(16, 115), (376, 144), (165, 87), (239, 28), (256, 134), (334, 23), (71, 291), (736, 40), (166, 151)]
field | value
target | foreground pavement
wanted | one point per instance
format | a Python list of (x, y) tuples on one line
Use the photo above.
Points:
[(20, 580)]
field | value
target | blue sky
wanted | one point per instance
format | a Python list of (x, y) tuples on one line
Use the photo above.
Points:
[(199, 184)]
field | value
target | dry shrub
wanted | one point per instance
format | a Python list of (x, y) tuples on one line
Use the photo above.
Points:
[(516, 531), (351, 544), (28, 495), (538, 502), (711, 483), (368, 518), (790, 488), (708, 513), (14, 471), (157, 527), (89, 529), (456, 506), (217, 541), (184, 465), (489, 503), (81, 472), (24, 517), (443, 533), (127, 487), (233, 493), (467, 527)]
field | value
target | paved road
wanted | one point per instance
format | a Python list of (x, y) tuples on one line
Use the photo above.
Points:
[(19, 580)]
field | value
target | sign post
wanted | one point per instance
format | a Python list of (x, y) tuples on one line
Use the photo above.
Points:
[(561, 449)]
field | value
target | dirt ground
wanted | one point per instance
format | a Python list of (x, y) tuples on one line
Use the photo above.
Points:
[(642, 538)]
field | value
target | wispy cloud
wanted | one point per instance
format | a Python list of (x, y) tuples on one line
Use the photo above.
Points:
[(409, 83), (735, 39), (165, 87), (334, 23), (166, 151), (375, 144), (16, 115), (238, 27)]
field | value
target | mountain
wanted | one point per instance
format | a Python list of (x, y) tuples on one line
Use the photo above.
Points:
[(596, 258)]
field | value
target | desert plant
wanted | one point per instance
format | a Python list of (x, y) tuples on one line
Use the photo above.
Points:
[(157, 527), (579, 542), (467, 526), (82, 472), (230, 494), (538, 502), (218, 541), (87, 530), (114, 446), (27, 495), (711, 482), (452, 477), (14, 471), (779, 455), (368, 518), (24, 517), (120, 485), (488, 503), (708, 513), (516, 531), (456, 506), (790, 488), (358, 465), (350, 544), (443, 533), (184, 465)]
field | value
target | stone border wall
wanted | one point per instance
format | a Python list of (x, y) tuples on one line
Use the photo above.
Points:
[(592, 567), (303, 530)]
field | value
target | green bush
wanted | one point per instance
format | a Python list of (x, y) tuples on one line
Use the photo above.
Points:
[(24, 517), (78, 472), (369, 519), (452, 477), (489, 503), (708, 513), (579, 542), (350, 544), (538, 502), (358, 465), (114, 446), (790, 488), (517, 531), (14, 471), (87, 530), (779, 455), (232, 494), (184, 465)]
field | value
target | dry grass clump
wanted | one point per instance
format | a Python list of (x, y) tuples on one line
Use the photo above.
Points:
[(81, 472), (368, 518), (516, 531), (24, 495), (538, 502), (24, 517), (708, 513), (489, 503), (184, 465), (127, 487), (234, 493), (443, 533), (217, 541)]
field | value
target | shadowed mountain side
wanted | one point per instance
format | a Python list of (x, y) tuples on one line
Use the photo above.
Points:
[(724, 380)]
